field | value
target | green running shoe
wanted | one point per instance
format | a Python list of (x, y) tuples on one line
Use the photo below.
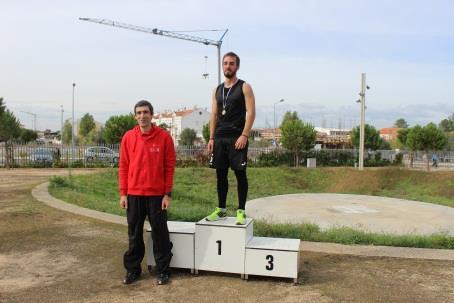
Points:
[(216, 215), (240, 217)]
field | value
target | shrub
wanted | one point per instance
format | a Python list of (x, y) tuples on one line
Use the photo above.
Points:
[(57, 181)]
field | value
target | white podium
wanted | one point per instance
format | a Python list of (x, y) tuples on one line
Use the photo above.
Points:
[(221, 245), (272, 257), (182, 237)]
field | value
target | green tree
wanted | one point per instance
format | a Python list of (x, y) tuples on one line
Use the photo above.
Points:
[(206, 132), (297, 136), (412, 140), (9, 125), (289, 116), (67, 131), (117, 126), (434, 138), (9, 129), (187, 137), (384, 145), (401, 123), (450, 145), (402, 136), (27, 135), (372, 138), (415, 138), (87, 124), (447, 125), (427, 138), (93, 137), (164, 126)]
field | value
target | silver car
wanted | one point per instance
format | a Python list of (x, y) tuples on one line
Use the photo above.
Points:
[(41, 156), (101, 153)]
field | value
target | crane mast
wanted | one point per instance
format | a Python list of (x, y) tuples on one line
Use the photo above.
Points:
[(166, 33)]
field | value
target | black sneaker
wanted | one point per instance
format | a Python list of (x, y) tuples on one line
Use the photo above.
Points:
[(131, 277), (163, 279)]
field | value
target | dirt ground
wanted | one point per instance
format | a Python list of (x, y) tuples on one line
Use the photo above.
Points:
[(47, 255)]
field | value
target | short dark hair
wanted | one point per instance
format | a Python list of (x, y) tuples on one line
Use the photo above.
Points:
[(232, 54), (143, 103)]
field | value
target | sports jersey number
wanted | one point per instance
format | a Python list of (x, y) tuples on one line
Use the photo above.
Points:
[(219, 242), (270, 264)]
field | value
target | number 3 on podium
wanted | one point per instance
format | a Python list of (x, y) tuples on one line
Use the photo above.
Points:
[(270, 264)]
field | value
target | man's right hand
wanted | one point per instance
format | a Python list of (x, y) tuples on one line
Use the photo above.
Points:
[(210, 145), (123, 202)]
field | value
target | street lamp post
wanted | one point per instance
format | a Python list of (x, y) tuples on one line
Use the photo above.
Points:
[(362, 100), (72, 127), (61, 123), (274, 129), (72, 134)]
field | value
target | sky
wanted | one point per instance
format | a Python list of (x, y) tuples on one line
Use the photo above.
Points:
[(309, 53)]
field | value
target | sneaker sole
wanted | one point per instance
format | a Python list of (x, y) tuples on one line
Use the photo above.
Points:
[(221, 218)]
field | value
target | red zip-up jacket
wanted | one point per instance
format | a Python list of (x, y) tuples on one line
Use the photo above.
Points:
[(147, 162)]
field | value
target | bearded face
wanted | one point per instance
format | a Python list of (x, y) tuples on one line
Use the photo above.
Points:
[(229, 67)]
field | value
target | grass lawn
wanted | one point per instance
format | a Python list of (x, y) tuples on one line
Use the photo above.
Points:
[(194, 196)]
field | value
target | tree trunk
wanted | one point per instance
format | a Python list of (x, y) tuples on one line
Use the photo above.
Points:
[(427, 161), (297, 162), (8, 155)]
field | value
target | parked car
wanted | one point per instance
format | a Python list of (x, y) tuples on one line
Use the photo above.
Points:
[(101, 153), (41, 156)]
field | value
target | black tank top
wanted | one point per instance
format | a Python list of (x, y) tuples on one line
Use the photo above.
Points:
[(231, 123)]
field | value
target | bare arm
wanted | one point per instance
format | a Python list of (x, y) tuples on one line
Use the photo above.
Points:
[(250, 116), (213, 119)]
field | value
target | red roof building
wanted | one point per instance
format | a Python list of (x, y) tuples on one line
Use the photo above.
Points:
[(389, 133)]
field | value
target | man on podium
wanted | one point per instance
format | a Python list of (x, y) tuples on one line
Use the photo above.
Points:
[(232, 116)]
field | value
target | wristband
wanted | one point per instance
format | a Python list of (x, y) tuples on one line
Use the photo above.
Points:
[(245, 136)]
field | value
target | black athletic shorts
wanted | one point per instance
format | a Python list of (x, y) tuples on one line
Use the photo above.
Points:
[(225, 155)]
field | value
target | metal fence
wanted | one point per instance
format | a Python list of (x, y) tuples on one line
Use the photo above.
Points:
[(51, 155), (420, 159)]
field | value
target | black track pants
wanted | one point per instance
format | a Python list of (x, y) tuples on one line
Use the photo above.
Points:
[(139, 207)]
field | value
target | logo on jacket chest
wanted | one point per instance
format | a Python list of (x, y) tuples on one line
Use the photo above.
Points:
[(154, 148)]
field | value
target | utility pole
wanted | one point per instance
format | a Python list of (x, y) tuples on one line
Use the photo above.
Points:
[(362, 100), (72, 134), (166, 33), (274, 129), (61, 123), (72, 127)]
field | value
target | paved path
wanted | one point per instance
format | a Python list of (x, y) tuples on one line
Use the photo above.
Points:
[(41, 194), (368, 213)]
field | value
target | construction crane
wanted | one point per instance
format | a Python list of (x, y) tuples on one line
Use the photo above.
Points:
[(166, 33), (34, 119)]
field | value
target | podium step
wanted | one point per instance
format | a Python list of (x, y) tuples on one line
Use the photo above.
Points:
[(182, 237), (272, 257), (220, 245)]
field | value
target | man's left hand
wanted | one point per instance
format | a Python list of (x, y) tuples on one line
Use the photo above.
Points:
[(241, 142), (165, 202)]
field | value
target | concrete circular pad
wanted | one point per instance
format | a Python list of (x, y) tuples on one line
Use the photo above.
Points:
[(367, 213)]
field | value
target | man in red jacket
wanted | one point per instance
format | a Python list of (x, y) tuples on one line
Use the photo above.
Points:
[(147, 165)]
